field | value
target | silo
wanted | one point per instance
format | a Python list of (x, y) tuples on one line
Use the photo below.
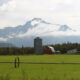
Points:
[(38, 45)]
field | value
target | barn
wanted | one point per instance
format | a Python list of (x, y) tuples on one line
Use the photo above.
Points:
[(49, 50)]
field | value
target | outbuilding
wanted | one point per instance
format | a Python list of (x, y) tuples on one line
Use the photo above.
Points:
[(73, 51), (49, 50)]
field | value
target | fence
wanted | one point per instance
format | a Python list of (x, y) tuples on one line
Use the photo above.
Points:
[(17, 62)]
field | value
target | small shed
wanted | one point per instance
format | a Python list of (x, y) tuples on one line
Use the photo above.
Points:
[(49, 50), (73, 51)]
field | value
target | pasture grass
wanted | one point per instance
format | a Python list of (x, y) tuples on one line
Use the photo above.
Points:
[(41, 71)]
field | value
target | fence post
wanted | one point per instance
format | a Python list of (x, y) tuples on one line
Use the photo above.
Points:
[(16, 62)]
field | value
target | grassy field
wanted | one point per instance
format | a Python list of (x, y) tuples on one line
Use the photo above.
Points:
[(41, 71)]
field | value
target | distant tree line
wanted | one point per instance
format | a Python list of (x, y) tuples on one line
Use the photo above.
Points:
[(63, 48), (16, 51), (66, 46)]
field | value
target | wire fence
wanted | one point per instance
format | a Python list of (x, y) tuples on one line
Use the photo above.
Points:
[(17, 62), (38, 63)]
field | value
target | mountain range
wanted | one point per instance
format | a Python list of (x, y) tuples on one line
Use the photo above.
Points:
[(51, 33)]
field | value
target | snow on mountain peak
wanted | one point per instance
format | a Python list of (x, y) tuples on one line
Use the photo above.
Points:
[(64, 28), (37, 19), (34, 27), (35, 22), (37, 27)]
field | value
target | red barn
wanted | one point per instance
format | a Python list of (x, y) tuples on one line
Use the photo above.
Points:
[(49, 50)]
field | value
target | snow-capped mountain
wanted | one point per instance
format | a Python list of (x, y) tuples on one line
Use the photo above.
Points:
[(21, 28), (24, 34), (64, 28), (36, 22)]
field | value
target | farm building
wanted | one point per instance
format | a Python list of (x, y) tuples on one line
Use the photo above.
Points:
[(49, 50), (73, 51), (58, 52), (38, 47)]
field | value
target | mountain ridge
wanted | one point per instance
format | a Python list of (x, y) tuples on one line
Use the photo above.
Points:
[(25, 34)]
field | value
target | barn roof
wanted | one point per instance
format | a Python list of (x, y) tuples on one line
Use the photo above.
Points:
[(52, 49)]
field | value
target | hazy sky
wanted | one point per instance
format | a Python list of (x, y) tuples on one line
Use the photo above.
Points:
[(16, 12)]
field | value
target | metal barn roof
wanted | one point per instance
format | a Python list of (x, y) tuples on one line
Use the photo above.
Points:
[(52, 49)]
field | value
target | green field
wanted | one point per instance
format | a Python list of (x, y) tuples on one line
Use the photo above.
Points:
[(41, 71)]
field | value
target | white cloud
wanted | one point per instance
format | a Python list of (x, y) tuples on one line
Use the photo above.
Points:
[(9, 6), (16, 12), (3, 39), (3, 1)]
